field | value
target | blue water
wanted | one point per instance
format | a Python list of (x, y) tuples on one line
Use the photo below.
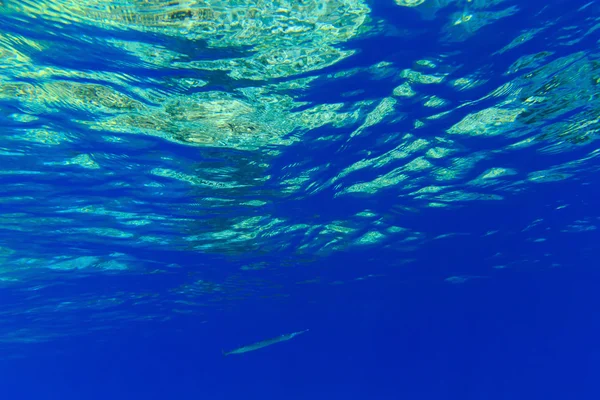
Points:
[(161, 204)]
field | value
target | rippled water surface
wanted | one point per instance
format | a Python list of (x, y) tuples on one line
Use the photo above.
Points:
[(416, 181)]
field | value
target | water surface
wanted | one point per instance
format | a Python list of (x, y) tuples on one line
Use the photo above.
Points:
[(413, 181)]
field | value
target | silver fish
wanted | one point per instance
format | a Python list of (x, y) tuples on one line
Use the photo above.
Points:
[(264, 343)]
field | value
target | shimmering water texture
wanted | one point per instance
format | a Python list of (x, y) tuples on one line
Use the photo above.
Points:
[(270, 133)]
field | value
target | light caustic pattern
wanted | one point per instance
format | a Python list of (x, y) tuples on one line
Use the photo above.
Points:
[(169, 116)]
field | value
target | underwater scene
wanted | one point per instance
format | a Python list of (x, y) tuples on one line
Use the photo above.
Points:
[(299, 199)]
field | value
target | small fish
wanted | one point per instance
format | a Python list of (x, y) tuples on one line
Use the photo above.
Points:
[(264, 343)]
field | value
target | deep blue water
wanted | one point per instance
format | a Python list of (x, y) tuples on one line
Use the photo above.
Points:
[(161, 203)]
